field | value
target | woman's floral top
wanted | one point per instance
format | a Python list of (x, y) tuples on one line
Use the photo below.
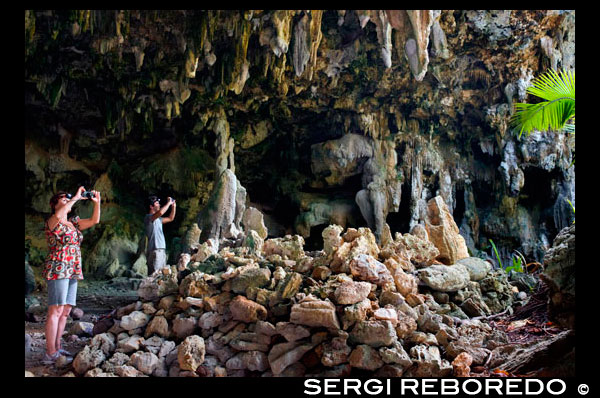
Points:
[(64, 259)]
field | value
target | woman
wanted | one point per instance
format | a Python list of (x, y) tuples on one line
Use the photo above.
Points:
[(62, 268)]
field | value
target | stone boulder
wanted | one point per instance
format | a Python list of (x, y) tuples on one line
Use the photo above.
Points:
[(134, 320), (190, 353), (285, 354), (429, 362), (443, 232), (196, 285), (82, 328), (246, 310), (478, 268), (395, 354), (351, 292), (331, 239), (559, 276), (311, 311), (158, 285), (355, 242), (145, 362), (337, 351), (374, 333), (289, 247), (250, 276), (445, 278), (223, 211), (88, 358), (252, 220), (365, 357), (367, 268)]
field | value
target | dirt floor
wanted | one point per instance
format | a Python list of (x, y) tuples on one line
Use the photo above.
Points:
[(95, 298)]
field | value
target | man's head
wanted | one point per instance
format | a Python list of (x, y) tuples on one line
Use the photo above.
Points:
[(153, 203)]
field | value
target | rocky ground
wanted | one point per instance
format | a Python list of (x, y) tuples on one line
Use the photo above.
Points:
[(94, 298), (527, 326), (412, 305)]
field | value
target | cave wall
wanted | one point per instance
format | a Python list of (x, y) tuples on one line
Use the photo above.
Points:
[(337, 116)]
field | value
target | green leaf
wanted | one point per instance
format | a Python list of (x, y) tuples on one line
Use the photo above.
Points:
[(496, 251), (558, 91)]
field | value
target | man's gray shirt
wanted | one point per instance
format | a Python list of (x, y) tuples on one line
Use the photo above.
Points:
[(154, 232)]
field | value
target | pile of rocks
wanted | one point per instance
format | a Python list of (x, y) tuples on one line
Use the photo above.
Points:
[(268, 308)]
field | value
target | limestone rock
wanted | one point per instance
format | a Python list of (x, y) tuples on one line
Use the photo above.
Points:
[(134, 320), (351, 292), (190, 353), (196, 285), (158, 325), (461, 365), (365, 357), (311, 311), (478, 268), (405, 326), (559, 275), (210, 320), (82, 328), (285, 354), (205, 250), (373, 333), (388, 313), (445, 278), (395, 354), (405, 284), (145, 362), (157, 285), (86, 359), (337, 351), (355, 313), (250, 360), (289, 247), (292, 332), (443, 232), (225, 206), (253, 220), (367, 268), (429, 362), (254, 242), (104, 342), (246, 310), (355, 242), (331, 239)]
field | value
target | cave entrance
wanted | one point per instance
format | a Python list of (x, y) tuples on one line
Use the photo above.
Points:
[(538, 197), (400, 221), (459, 210), (537, 190), (315, 240)]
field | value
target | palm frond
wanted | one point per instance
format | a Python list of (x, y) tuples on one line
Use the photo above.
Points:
[(558, 91)]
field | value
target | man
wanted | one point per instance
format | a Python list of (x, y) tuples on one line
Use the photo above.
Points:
[(156, 249)]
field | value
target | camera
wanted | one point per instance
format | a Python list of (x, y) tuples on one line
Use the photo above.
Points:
[(87, 194)]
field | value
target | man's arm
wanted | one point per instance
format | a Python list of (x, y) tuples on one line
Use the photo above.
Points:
[(171, 216), (162, 210)]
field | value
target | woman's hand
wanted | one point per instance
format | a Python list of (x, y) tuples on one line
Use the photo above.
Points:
[(80, 190), (95, 197)]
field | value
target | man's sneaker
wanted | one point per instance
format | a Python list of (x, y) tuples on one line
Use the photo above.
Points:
[(50, 359)]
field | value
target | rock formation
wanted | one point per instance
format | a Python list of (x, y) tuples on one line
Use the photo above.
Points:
[(352, 117), (276, 312)]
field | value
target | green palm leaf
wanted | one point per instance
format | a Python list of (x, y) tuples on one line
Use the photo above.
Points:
[(558, 91)]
